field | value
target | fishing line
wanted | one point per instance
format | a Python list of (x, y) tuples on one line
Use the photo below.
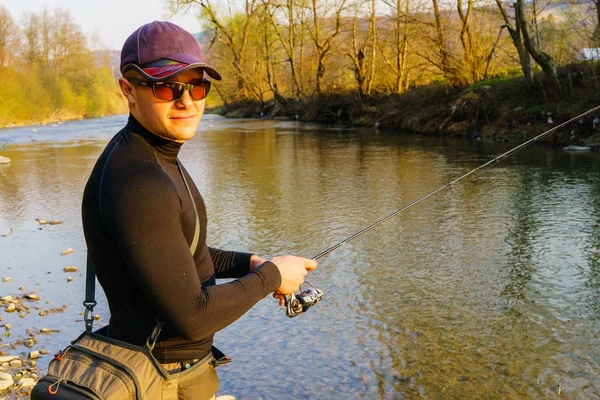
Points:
[(298, 303), (449, 184)]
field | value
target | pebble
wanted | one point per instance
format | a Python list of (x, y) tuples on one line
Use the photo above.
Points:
[(8, 232), (7, 299), (4, 160), (34, 354), (70, 269), (41, 221), (44, 351), (45, 330), (55, 222), (29, 342), (10, 308), (8, 326), (97, 317), (33, 363), (6, 279), (69, 279), (41, 313), (5, 384), (5, 376), (16, 363), (67, 251), (32, 296), (21, 287), (26, 382), (6, 359)]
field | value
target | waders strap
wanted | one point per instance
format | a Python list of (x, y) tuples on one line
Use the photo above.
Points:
[(194, 244)]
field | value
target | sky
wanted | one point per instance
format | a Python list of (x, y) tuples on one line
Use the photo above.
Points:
[(111, 21)]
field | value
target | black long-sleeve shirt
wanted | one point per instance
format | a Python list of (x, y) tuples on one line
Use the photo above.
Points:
[(139, 222)]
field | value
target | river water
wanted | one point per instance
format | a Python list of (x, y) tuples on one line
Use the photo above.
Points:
[(490, 290)]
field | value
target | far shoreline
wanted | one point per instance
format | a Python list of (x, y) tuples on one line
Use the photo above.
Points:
[(501, 109)]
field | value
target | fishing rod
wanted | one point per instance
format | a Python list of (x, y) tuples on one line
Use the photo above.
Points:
[(298, 303)]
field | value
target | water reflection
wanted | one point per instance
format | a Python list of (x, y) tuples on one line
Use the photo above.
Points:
[(521, 234), (488, 290)]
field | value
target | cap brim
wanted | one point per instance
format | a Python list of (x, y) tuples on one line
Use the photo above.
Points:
[(210, 70)]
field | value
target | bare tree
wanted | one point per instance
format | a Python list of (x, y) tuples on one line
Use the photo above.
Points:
[(543, 59), (9, 37), (596, 36), (289, 34), (441, 42), (235, 40), (323, 42), (468, 42), (67, 40), (363, 49), (513, 25), (32, 44), (400, 44), (268, 44)]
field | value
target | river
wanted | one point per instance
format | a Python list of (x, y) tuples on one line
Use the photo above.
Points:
[(490, 290)]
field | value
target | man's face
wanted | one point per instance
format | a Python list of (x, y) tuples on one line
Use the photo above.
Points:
[(174, 120)]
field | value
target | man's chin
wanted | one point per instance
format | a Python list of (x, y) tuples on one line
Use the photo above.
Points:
[(184, 133)]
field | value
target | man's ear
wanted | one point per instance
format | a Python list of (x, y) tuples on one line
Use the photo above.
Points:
[(127, 90)]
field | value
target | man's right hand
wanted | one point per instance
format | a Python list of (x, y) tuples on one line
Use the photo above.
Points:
[(292, 270)]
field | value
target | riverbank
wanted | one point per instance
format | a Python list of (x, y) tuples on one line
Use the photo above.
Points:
[(502, 109), (58, 120)]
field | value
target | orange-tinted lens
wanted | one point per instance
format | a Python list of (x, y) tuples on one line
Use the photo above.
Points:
[(200, 90), (164, 91)]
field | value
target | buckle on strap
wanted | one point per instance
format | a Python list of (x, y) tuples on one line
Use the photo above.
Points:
[(151, 341), (88, 315)]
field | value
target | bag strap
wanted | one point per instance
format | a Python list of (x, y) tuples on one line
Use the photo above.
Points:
[(90, 279), (194, 244)]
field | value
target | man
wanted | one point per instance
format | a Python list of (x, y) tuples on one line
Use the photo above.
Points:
[(145, 222)]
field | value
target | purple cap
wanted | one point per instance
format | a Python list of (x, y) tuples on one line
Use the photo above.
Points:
[(161, 49)]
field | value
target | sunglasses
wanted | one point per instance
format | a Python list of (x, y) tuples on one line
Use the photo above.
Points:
[(173, 91)]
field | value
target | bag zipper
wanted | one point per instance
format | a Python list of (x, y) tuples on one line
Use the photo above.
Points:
[(53, 380)]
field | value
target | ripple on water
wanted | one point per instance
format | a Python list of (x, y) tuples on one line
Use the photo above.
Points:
[(487, 291)]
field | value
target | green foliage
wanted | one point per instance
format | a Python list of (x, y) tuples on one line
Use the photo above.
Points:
[(30, 97), (67, 84)]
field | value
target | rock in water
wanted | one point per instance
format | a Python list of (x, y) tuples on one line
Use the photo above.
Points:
[(67, 251), (26, 382), (6, 383), (4, 160), (577, 148)]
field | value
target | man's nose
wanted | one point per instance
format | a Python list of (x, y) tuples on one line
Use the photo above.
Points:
[(186, 100)]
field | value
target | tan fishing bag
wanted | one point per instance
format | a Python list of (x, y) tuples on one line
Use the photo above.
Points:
[(98, 367)]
